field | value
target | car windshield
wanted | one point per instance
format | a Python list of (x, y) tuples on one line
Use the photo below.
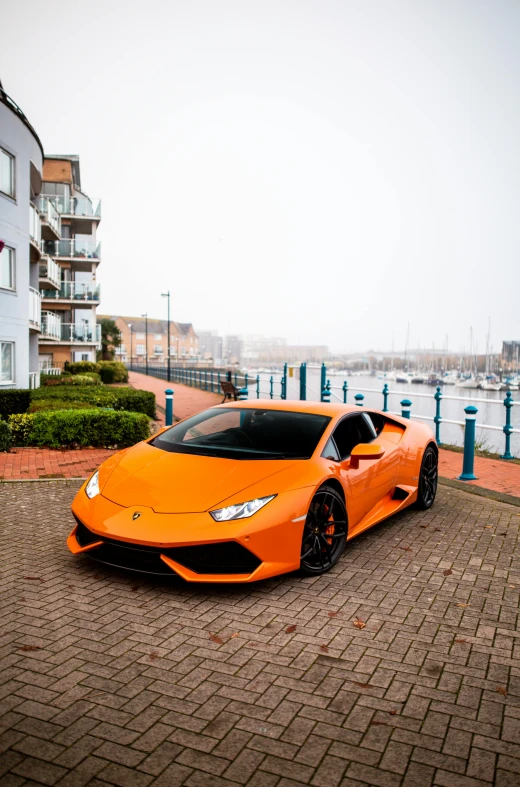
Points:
[(235, 433)]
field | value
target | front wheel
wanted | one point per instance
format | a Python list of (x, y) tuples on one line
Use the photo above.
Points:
[(324, 532), (428, 479)]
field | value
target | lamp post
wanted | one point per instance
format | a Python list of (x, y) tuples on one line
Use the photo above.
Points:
[(146, 340), (131, 345), (167, 295)]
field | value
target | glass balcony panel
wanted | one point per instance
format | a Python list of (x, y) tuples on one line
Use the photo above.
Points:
[(76, 206), (50, 213), (35, 307), (35, 230), (80, 332), (51, 325), (51, 271), (74, 290), (78, 247)]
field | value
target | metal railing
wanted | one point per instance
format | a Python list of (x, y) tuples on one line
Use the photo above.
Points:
[(35, 227), (90, 334), (72, 290), (34, 379), (35, 308), (51, 325), (73, 248), (50, 270), (76, 206), (49, 214), (46, 369)]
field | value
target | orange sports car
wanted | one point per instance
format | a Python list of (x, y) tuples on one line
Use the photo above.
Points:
[(249, 490)]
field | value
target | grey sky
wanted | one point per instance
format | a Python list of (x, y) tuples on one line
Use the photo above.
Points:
[(327, 171)]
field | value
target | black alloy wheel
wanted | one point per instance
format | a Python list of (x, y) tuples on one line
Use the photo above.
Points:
[(324, 532), (428, 479)]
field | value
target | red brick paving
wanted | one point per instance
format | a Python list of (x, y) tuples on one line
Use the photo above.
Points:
[(186, 401), (23, 463), (496, 474)]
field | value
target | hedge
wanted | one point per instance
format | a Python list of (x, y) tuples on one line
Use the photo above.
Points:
[(118, 398), (89, 378), (98, 428), (14, 400), (5, 436), (113, 372), (80, 367), (58, 404)]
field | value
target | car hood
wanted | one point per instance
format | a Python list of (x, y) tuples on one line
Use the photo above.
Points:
[(183, 483)]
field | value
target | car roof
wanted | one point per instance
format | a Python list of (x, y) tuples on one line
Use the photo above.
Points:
[(331, 409)]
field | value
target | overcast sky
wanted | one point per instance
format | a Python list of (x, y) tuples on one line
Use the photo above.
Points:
[(326, 171)]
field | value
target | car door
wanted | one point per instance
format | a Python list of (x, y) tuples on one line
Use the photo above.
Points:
[(367, 484)]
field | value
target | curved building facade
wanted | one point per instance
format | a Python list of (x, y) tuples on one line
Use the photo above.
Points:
[(21, 163)]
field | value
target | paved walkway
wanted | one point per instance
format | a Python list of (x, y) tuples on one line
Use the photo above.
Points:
[(187, 401), (495, 474), (24, 463), (397, 669)]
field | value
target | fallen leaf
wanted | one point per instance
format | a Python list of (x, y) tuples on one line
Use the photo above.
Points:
[(406, 549), (252, 644), (153, 655), (437, 530), (460, 641), (361, 685), (447, 572), (332, 614), (502, 534), (324, 648), (463, 605), (215, 638), (512, 586), (423, 526), (134, 588), (488, 527), (35, 579), (27, 648), (378, 723), (392, 712), (359, 624), (501, 691), (235, 635), (290, 629)]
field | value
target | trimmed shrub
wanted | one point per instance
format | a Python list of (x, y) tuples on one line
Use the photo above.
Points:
[(5, 436), (98, 428), (80, 367), (119, 398), (14, 400), (57, 404), (118, 372)]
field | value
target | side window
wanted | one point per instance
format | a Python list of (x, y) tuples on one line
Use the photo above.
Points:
[(350, 432), (330, 451), (377, 421)]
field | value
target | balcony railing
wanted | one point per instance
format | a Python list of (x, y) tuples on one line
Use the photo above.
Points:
[(75, 247), (81, 333), (74, 291), (34, 379), (51, 325), (35, 229), (49, 214), (35, 308), (51, 271), (81, 207)]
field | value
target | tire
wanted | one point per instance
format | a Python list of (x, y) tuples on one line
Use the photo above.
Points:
[(324, 533), (428, 479)]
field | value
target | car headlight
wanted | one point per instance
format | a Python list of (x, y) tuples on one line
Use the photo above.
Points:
[(241, 510), (92, 488)]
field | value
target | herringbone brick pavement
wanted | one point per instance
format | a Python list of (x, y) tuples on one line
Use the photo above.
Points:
[(400, 667)]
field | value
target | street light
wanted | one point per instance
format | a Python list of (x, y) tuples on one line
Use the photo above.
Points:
[(146, 339), (131, 345), (167, 295)]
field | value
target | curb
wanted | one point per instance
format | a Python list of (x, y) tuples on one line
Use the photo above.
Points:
[(500, 497)]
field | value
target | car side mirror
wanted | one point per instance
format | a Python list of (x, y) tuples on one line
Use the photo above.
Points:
[(365, 451)]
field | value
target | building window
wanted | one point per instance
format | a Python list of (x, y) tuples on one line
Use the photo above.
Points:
[(139, 336), (157, 337), (140, 349), (6, 362), (6, 173), (157, 348), (7, 280)]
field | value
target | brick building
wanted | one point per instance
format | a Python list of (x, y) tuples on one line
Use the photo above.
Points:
[(184, 343)]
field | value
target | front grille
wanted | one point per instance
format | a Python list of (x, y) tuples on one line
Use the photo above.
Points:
[(227, 557)]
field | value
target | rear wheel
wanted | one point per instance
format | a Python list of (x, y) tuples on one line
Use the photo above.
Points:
[(324, 532), (428, 479)]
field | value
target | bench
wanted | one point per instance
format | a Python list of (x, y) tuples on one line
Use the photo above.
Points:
[(230, 391)]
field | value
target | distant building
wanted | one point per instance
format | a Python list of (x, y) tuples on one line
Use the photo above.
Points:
[(211, 346), (21, 162), (233, 349), (71, 254), (511, 354), (184, 344)]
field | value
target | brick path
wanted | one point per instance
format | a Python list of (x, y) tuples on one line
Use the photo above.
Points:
[(48, 463), (498, 475), (187, 401), (119, 679)]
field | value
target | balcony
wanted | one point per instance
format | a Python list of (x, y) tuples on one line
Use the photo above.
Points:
[(34, 380), (76, 207), (82, 334), (51, 326), (35, 309), (50, 273), (51, 223), (35, 233), (74, 291), (75, 249)]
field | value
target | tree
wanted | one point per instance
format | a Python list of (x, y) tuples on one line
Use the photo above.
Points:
[(111, 339)]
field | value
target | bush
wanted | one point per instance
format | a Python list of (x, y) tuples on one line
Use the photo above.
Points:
[(98, 428), (5, 436), (57, 404), (119, 398), (80, 367), (14, 400), (78, 379), (118, 373)]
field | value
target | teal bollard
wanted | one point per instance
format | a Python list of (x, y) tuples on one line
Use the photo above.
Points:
[(359, 399), (168, 421), (385, 397), (345, 392), (325, 394), (508, 429), (323, 381), (271, 382), (243, 394), (469, 444), (303, 382), (284, 382), (258, 386), (405, 408), (437, 419)]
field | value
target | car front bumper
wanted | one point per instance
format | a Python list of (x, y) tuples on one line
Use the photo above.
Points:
[(193, 546)]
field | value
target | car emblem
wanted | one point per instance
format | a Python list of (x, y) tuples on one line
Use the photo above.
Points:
[(136, 515)]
